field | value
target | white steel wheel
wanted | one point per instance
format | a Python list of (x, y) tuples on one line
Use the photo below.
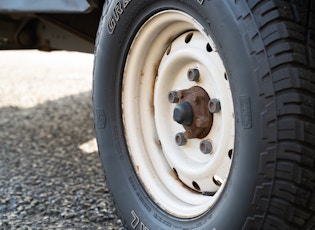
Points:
[(178, 114)]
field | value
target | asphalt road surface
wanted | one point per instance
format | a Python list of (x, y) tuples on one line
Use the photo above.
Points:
[(50, 173)]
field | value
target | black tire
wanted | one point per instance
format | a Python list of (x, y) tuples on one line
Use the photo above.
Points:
[(268, 51)]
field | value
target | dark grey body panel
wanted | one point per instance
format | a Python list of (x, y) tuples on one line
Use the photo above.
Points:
[(56, 6), (49, 24)]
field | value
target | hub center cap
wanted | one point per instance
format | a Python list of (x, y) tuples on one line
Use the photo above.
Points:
[(183, 113)]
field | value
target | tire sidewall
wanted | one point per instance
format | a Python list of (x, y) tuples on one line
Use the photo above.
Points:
[(133, 204)]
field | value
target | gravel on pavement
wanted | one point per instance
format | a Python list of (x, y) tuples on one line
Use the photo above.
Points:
[(50, 172)]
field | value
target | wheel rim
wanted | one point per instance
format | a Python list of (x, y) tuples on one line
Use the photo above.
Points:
[(184, 179)]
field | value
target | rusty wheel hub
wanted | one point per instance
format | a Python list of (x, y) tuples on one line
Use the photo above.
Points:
[(192, 112)]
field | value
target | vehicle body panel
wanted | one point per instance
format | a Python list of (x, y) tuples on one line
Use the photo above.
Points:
[(42, 6), (49, 24)]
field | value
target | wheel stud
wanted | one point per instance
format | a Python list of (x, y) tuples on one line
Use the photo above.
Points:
[(173, 97), (206, 147), (193, 75), (180, 139), (214, 105)]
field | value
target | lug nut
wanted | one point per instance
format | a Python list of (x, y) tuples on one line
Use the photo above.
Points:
[(173, 97), (180, 139), (214, 105), (206, 147), (193, 75)]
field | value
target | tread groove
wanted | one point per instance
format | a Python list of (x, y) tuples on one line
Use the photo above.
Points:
[(285, 29)]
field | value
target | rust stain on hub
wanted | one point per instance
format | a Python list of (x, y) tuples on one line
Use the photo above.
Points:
[(198, 98)]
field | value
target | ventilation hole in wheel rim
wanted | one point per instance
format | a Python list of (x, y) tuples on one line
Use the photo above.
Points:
[(168, 50), (189, 37), (175, 171), (217, 180), (209, 49), (196, 185), (225, 76), (230, 153)]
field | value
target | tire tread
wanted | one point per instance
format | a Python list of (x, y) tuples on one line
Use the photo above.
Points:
[(285, 190)]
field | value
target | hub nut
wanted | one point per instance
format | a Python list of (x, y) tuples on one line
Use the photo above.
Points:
[(193, 75), (206, 147), (173, 97), (214, 105), (180, 139)]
